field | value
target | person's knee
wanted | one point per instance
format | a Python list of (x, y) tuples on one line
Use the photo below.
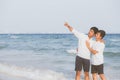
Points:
[(86, 74), (94, 77), (102, 76), (78, 73)]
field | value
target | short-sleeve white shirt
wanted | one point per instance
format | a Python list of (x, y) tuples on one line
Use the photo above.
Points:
[(98, 58)]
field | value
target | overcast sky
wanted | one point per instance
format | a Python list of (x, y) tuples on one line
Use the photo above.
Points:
[(48, 16)]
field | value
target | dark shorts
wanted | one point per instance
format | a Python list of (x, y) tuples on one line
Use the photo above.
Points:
[(81, 62), (97, 69)]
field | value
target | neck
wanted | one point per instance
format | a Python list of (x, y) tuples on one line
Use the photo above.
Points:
[(98, 39), (89, 37)]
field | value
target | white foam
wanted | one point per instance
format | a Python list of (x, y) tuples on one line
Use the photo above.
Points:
[(72, 51), (3, 44), (14, 37), (115, 40), (30, 73)]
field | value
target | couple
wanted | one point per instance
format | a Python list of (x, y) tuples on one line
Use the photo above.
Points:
[(86, 46)]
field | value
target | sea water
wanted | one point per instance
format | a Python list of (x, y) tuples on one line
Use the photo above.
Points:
[(48, 57)]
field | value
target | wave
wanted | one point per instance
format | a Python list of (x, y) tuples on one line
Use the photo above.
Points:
[(30, 73), (14, 37), (3, 45), (115, 40), (112, 54), (72, 51)]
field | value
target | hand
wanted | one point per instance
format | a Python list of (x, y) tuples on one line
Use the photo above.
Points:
[(66, 24), (77, 49)]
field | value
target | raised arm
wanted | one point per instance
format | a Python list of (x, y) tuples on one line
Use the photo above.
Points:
[(75, 32), (68, 26), (90, 49)]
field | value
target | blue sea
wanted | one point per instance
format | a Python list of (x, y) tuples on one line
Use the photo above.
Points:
[(48, 57)]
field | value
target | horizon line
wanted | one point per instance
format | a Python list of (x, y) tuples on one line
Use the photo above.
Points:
[(49, 33)]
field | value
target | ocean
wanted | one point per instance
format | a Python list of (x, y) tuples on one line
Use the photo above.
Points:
[(47, 57)]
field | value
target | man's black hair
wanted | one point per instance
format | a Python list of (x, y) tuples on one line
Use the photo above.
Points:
[(95, 29)]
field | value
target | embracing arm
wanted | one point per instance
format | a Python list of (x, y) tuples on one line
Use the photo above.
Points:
[(90, 49)]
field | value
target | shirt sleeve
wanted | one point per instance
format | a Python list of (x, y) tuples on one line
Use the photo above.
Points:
[(78, 34)]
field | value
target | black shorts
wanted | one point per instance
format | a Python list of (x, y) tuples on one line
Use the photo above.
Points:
[(81, 62), (97, 69)]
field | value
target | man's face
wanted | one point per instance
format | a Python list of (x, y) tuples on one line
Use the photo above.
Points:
[(91, 33)]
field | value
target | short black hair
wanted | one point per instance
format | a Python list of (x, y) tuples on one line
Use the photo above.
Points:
[(95, 29), (102, 33)]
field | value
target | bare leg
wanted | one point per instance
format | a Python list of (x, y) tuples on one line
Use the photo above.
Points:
[(86, 75), (102, 77), (77, 77), (94, 75)]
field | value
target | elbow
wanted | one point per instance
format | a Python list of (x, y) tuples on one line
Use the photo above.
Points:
[(70, 29)]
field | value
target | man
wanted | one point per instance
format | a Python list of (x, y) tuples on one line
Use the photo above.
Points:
[(97, 55), (83, 55)]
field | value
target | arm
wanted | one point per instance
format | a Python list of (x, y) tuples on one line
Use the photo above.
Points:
[(90, 49), (75, 32), (68, 26)]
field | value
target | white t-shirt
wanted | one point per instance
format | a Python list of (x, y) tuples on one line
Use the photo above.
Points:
[(83, 51), (98, 58)]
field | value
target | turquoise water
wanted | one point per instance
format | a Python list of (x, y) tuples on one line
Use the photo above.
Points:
[(45, 56)]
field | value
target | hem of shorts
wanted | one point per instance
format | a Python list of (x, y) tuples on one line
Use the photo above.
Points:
[(96, 72), (97, 64)]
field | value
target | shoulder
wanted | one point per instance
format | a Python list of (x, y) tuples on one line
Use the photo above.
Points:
[(101, 44), (80, 34), (92, 41), (102, 41)]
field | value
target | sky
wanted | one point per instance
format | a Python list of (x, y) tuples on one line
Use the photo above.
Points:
[(49, 16)]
